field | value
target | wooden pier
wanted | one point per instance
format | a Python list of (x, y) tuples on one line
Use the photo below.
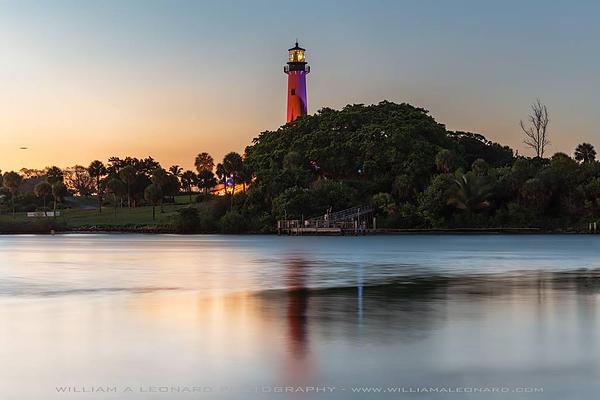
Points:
[(353, 221)]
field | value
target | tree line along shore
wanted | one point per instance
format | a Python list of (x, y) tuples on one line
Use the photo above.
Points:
[(396, 158)]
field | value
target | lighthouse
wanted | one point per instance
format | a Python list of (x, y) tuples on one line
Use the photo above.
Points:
[(296, 70)]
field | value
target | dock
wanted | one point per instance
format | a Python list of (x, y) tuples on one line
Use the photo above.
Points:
[(352, 221)]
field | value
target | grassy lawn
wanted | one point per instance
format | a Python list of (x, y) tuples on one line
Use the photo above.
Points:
[(125, 217)]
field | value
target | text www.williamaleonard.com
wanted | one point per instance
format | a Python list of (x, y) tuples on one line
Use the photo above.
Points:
[(175, 389)]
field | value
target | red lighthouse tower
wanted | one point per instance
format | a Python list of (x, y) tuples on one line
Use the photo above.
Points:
[(296, 70)]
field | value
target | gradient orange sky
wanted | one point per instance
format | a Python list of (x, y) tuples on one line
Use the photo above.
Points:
[(169, 79)]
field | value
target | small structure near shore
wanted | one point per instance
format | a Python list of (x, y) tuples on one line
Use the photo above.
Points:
[(43, 214), (352, 221)]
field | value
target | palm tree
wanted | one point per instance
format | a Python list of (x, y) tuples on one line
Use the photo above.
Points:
[(12, 181), (233, 166), (97, 170), (171, 187), (54, 175), (188, 179), (585, 153), (128, 175), (480, 167), (206, 180), (204, 161), (176, 170), (160, 178), (246, 175), (153, 195), (118, 189), (220, 172), (43, 190), (471, 193), (444, 161), (58, 192)]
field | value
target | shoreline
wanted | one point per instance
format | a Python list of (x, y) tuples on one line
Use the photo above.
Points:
[(154, 230)]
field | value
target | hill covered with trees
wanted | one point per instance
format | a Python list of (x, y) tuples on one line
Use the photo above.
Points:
[(416, 172)]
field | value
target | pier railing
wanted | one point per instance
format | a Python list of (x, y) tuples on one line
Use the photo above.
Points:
[(352, 220)]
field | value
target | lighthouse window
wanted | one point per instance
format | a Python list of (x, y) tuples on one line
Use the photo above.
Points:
[(293, 92)]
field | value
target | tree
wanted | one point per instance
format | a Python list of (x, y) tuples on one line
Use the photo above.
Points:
[(171, 186), (78, 180), (97, 170), (160, 179), (403, 188), (176, 170), (536, 135), (384, 203), (153, 195), (58, 193), (221, 174), (444, 161), (128, 176), (43, 190), (188, 179), (585, 153), (233, 166), (472, 193), (118, 189), (54, 175), (12, 182), (206, 180), (245, 176), (535, 195), (292, 160), (204, 161), (480, 167)]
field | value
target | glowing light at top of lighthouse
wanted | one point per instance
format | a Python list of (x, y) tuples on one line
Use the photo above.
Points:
[(296, 54)]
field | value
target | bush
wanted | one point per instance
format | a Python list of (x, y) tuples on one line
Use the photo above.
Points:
[(187, 220), (232, 222)]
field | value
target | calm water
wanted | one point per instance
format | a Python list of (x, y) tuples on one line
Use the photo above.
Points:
[(255, 317)]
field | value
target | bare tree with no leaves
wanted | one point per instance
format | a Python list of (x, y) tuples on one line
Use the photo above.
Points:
[(535, 132)]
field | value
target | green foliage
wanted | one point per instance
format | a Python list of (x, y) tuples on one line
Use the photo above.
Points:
[(432, 204), (445, 161), (43, 190), (471, 193), (116, 187), (384, 203), (187, 220), (297, 202), (153, 195), (480, 167), (403, 188), (233, 222)]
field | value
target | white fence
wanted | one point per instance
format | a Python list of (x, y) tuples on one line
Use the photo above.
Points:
[(42, 214)]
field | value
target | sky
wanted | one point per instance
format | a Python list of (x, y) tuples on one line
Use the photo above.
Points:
[(84, 80)]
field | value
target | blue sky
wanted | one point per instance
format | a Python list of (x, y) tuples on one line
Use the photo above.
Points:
[(173, 78)]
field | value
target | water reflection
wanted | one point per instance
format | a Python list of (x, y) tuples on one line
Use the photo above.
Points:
[(298, 369), (297, 306), (302, 315)]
